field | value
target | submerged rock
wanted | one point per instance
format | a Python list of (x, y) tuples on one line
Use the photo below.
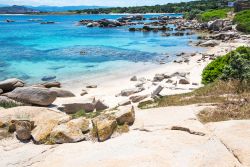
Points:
[(48, 78)]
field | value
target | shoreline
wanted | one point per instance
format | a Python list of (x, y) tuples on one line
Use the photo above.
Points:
[(110, 86)]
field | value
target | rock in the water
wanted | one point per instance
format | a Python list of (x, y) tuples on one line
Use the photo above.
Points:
[(62, 93), (138, 98), (48, 78), (104, 126), (125, 115), (72, 108), (184, 81), (157, 91), (11, 84), (134, 78), (128, 92), (91, 86), (210, 43), (100, 105), (51, 84), (33, 95), (70, 132), (23, 129)]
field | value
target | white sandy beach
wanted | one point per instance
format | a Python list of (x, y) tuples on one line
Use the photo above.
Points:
[(109, 86)]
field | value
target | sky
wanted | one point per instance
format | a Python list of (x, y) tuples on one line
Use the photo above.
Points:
[(87, 2)]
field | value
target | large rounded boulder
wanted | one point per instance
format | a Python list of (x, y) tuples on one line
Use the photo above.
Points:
[(33, 95), (10, 84)]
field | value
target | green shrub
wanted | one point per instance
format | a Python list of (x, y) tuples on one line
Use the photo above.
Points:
[(234, 65), (239, 66), (214, 69), (243, 20), (213, 15)]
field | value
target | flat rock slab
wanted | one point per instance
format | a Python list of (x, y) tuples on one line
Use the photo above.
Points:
[(236, 136), (151, 142)]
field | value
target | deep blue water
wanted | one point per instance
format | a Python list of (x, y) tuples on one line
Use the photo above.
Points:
[(30, 50)]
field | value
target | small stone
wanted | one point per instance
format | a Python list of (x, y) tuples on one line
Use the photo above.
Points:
[(184, 81), (134, 78), (84, 92), (138, 98), (91, 86)]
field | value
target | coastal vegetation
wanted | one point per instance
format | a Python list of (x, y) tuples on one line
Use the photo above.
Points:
[(213, 14), (242, 19), (234, 65), (182, 7), (226, 82)]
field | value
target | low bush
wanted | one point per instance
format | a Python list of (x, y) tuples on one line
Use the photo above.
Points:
[(242, 19), (213, 15), (234, 65)]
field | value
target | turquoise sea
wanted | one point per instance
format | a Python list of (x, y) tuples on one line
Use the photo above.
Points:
[(30, 50)]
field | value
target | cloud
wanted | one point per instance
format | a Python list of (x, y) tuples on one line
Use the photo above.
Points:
[(88, 2)]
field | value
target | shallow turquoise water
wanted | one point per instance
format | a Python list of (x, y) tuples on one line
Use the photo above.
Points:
[(30, 50)]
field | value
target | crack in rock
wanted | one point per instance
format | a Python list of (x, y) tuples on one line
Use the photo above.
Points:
[(187, 130)]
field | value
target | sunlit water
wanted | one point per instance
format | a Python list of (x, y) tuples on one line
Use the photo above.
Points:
[(30, 50)]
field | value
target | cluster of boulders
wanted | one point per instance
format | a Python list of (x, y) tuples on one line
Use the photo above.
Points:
[(15, 91), (104, 23), (148, 29), (46, 126)]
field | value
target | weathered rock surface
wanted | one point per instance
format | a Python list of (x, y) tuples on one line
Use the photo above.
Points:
[(235, 135), (210, 43), (1, 91), (138, 98), (44, 119), (72, 108), (11, 84), (51, 84), (62, 93), (104, 126), (150, 143), (157, 91), (128, 92), (69, 132), (33, 95), (23, 129), (125, 115), (100, 105)]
